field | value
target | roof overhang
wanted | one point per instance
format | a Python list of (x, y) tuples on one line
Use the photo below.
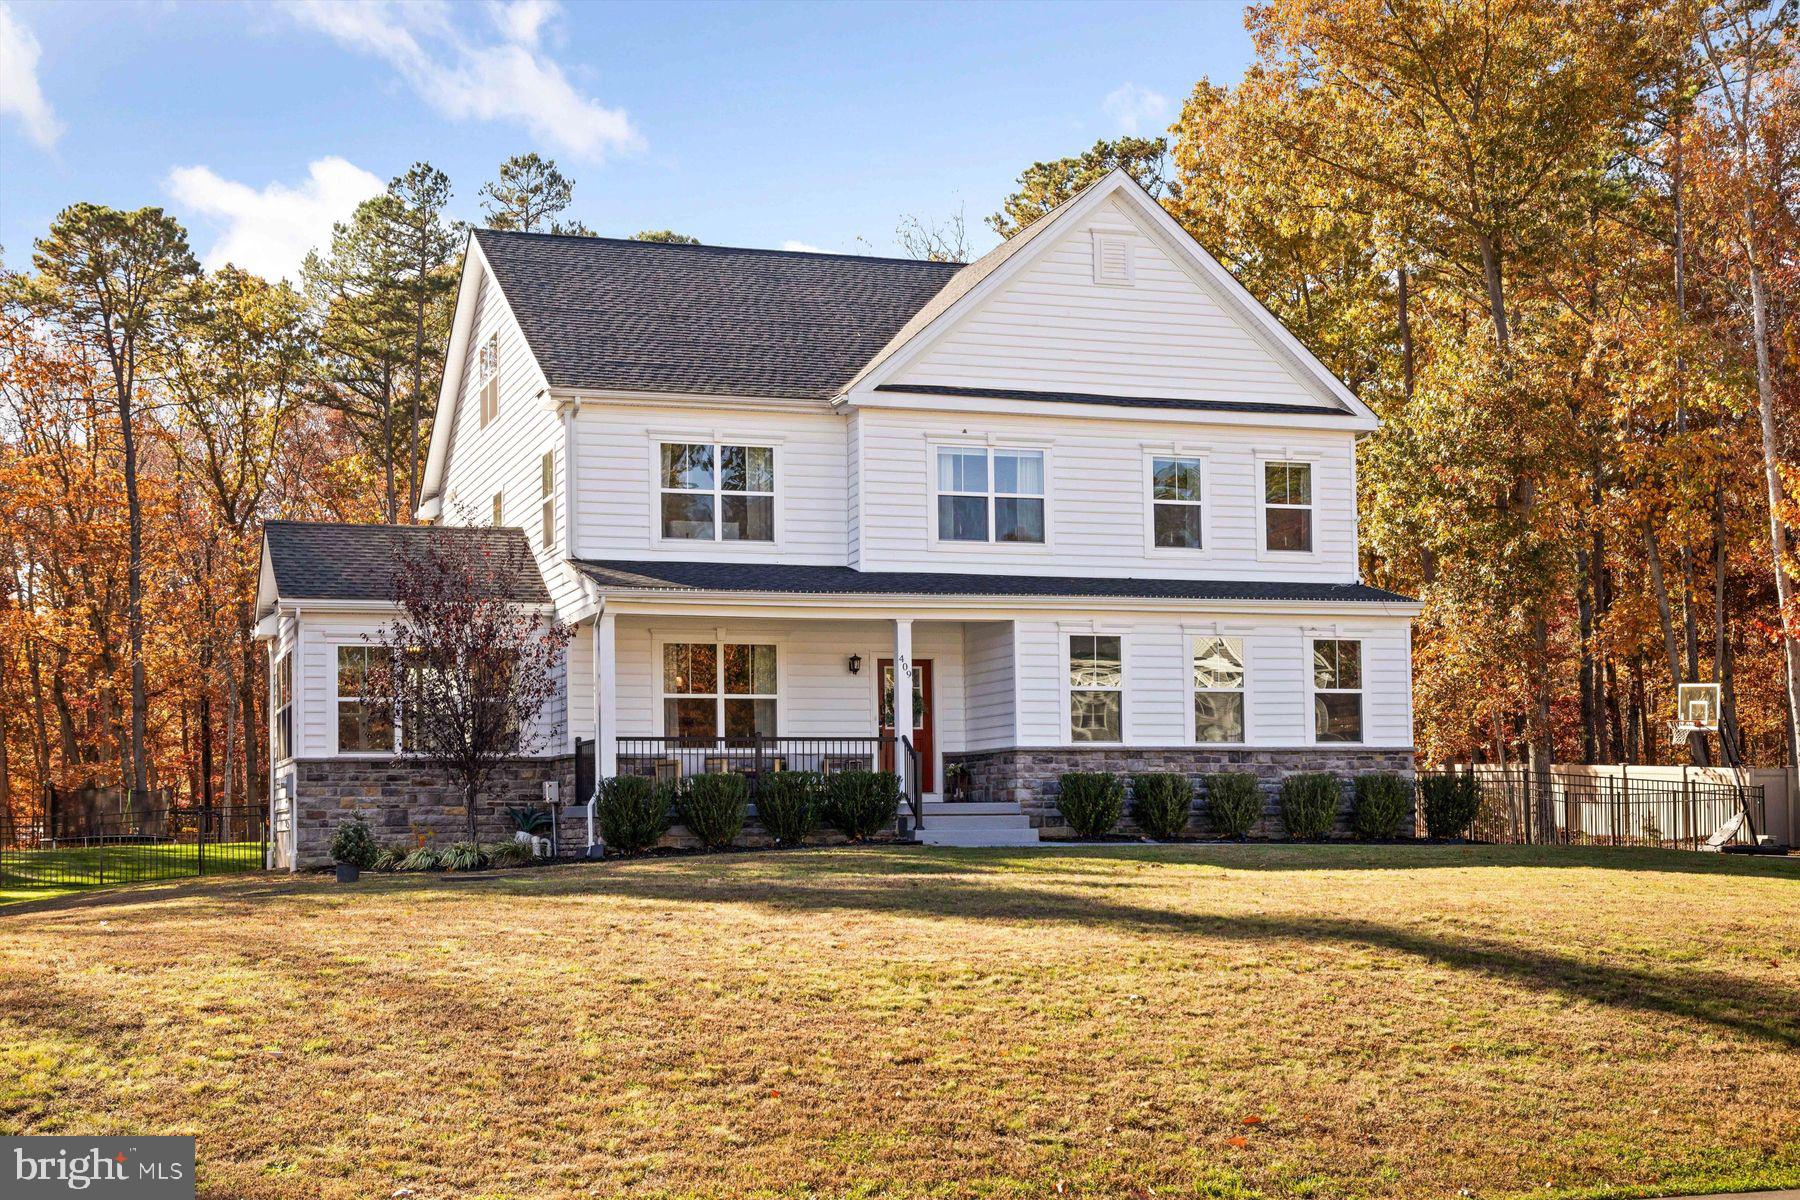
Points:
[(1097, 409), (973, 608)]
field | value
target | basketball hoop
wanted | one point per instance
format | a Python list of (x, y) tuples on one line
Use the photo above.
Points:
[(1696, 711)]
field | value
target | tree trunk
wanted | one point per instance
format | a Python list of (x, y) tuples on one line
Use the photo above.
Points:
[(134, 606), (247, 692), (470, 794)]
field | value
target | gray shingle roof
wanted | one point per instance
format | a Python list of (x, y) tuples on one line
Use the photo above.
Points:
[(610, 314), (322, 560), (817, 580)]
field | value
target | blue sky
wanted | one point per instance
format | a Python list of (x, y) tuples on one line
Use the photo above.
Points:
[(803, 125)]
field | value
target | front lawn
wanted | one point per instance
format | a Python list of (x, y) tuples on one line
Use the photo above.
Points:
[(1403, 1022)]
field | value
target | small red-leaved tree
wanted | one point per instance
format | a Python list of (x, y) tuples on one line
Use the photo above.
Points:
[(465, 667)]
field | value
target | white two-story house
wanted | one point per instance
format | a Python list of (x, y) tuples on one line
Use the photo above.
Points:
[(1084, 499)]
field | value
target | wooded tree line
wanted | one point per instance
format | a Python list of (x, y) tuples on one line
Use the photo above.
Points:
[(1551, 243)]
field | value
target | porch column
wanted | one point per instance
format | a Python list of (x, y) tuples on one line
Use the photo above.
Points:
[(903, 688), (606, 697)]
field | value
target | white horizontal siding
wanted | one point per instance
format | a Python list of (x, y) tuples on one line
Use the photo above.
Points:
[(1054, 329), (988, 658)]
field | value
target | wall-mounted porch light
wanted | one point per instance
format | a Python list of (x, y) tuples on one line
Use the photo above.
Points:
[(855, 663)]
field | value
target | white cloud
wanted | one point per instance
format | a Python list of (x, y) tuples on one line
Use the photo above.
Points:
[(802, 247), (1134, 108), (467, 77), (270, 231), (20, 95)]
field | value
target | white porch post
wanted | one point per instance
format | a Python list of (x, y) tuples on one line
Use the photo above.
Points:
[(606, 696), (903, 689)]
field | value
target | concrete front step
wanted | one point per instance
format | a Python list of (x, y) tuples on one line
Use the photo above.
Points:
[(970, 808), (989, 825), (977, 836)]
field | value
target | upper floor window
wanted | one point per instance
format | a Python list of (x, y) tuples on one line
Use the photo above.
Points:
[(547, 505), (363, 726), (1175, 503), (990, 495), (1096, 688), (1337, 690), (1219, 689), (1287, 507), (282, 723), (499, 508), (490, 378), (712, 690), (717, 492)]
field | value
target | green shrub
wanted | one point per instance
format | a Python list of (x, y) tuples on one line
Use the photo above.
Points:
[(528, 818), (1234, 801), (463, 856), (510, 854), (632, 813), (352, 843), (1449, 804), (787, 804), (1309, 804), (422, 858), (1160, 802), (390, 858), (1381, 804), (1091, 802), (712, 807), (860, 804)]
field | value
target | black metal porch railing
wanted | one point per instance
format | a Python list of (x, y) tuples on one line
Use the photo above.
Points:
[(676, 758)]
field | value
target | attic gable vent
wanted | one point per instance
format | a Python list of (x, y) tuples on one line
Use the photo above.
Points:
[(1114, 263)]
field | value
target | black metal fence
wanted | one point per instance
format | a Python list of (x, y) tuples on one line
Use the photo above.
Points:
[(1581, 809), (64, 853)]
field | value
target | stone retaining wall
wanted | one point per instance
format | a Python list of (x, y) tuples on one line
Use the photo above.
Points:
[(1033, 777), (405, 802)]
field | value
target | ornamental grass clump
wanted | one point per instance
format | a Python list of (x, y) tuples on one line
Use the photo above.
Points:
[(713, 806), (463, 856), (421, 858), (510, 854), (1450, 803), (1160, 803), (1381, 804), (632, 812), (1309, 805), (1091, 802), (1233, 802), (787, 804), (860, 804)]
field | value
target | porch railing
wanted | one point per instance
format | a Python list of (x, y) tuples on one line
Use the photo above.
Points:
[(674, 758)]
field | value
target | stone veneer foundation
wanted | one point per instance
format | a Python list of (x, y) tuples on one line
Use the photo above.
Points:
[(1033, 777), (406, 802)]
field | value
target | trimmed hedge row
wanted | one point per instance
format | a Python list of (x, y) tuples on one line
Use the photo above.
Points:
[(1161, 804), (634, 812)]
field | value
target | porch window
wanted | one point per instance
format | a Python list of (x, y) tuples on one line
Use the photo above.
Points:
[(712, 690), (1287, 507), (1175, 503), (363, 727), (1219, 689), (282, 723), (990, 495), (715, 492), (1337, 691), (1096, 688)]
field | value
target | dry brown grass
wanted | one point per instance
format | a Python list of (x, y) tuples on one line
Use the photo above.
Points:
[(1406, 1022)]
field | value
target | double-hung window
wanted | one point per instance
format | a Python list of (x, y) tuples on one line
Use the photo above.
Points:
[(364, 726), (1096, 688), (282, 723), (1287, 507), (1337, 690), (489, 374), (718, 492), (547, 505), (1218, 689), (712, 690), (990, 495), (1175, 517)]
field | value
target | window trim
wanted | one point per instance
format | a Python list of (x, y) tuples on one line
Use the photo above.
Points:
[(1192, 643), (1313, 690), (989, 446), (1064, 634), (718, 639), (547, 502), (1207, 545), (716, 439), (488, 380), (337, 702), (1309, 460)]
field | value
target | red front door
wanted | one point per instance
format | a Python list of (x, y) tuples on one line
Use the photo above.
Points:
[(922, 730)]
